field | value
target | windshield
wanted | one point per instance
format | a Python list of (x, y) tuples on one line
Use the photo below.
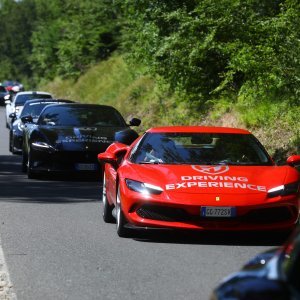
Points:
[(81, 116), (34, 109), (200, 148), (21, 99)]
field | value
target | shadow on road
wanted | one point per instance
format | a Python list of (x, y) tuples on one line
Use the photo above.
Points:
[(16, 187), (212, 238)]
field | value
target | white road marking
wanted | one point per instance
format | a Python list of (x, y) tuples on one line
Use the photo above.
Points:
[(6, 287)]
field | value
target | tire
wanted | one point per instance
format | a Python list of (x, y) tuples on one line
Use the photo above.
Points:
[(120, 219), (30, 173), (24, 162), (10, 144), (107, 208)]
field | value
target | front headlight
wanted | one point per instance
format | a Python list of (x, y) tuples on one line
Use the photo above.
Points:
[(20, 126), (284, 190), (42, 146), (143, 188)]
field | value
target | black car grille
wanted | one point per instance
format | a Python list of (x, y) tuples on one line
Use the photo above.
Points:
[(173, 214), (270, 215), (75, 157), (163, 213)]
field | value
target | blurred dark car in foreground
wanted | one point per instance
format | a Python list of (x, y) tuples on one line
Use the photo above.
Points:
[(30, 114), (68, 137), (273, 275)]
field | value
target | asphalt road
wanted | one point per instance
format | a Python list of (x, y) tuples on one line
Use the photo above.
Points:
[(56, 245)]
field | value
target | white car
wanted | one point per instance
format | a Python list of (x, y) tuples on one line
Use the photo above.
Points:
[(15, 105)]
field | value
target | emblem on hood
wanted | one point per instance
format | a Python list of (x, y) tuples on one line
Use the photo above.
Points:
[(211, 170)]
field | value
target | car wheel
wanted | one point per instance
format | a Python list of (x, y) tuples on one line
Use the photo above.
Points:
[(10, 143), (120, 219), (24, 162), (107, 208), (30, 173)]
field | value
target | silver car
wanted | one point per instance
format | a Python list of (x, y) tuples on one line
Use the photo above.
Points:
[(15, 105)]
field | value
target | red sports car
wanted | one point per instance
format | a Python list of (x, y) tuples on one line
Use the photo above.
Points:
[(203, 178)]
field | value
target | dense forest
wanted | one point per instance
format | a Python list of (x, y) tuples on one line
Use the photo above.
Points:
[(239, 56)]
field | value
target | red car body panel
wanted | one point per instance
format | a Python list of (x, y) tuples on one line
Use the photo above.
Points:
[(186, 189)]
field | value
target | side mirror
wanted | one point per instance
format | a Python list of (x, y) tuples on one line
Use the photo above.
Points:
[(112, 154), (12, 115), (106, 158), (27, 119), (293, 160), (126, 136), (135, 122)]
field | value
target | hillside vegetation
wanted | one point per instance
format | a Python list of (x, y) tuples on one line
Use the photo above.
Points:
[(124, 86), (220, 62)]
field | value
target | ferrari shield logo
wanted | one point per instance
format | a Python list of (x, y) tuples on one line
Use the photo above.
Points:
[(211, 170)]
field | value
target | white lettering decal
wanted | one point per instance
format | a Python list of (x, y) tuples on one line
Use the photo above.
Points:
[(170, 186), (190, 184), (186, 177)]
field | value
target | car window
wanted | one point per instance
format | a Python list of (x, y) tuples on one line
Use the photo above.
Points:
[(81, 116), (34, 109), (201, 148), (21, 99)]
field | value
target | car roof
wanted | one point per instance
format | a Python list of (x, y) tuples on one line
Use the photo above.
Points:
[(51, 100), (197, 129), (81, 105), (32, 92)]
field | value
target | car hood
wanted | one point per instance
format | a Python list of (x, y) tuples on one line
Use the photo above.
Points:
[(222, 179), (75, 138)]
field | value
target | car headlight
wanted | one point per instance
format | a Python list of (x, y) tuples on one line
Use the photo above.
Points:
[(42, 146), (284, 190), (20, 126), (143, 188)]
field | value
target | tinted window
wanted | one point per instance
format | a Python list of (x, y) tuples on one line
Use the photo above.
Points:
[(200, 148), (21, 99), (34, 109), (81, 116)]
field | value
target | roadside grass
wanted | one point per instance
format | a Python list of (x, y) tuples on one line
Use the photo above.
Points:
[(135, 94)]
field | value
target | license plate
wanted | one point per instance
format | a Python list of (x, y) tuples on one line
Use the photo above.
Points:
[(86, 167), (218, 211)]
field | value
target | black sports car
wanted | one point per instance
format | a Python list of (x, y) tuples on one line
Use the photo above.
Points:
[(68, 137), (271, 275), (29, 114)]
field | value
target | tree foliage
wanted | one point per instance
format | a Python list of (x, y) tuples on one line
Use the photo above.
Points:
[(247, 49), (210, 47)]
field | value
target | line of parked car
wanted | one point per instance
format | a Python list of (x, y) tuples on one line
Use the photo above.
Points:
[(175, 177)]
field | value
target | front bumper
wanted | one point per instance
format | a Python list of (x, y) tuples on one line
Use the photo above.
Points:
[(275, 214), (65, 161)]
